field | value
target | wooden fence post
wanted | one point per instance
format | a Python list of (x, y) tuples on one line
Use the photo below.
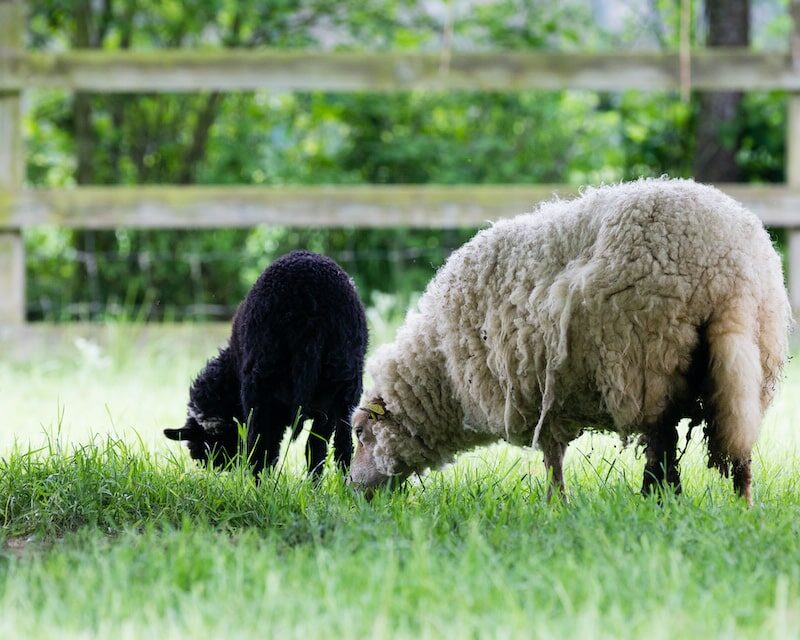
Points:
[(793, 162), (12, 166)]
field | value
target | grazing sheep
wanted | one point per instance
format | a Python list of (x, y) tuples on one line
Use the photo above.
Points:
[(210, 432), (297, 345), (625, 309)]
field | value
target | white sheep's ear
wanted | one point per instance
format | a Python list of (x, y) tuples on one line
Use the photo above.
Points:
[(375, 410)]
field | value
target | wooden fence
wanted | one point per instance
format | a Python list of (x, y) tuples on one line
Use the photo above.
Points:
[(377, 206)]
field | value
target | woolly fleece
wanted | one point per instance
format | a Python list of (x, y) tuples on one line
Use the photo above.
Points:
[(296, 352), (586, 314)]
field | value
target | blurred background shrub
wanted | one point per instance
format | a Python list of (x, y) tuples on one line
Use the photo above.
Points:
[(312, 138)]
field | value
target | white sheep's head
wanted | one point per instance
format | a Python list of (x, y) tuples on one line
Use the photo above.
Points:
[(368, 470)]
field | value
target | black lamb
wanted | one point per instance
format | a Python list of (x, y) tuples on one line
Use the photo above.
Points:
[(296, 352)]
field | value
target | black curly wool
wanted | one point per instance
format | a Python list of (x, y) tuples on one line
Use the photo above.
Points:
[(296, 350)]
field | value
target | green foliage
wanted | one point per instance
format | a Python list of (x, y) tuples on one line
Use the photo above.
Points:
[(122, 536), (318, 138), (762, 145), (656, 135), (157, 547), (529, 24), (424, 137)]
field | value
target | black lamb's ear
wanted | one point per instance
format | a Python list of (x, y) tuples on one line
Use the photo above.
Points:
[(178, 434)]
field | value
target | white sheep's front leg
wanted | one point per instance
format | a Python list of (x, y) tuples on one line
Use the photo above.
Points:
[(554, 467)]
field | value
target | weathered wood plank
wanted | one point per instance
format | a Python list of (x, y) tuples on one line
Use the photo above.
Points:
[(425, 206), (12, 250), (203, 206), (12, 278), (28, 342), (300, 70), (793, 143), (793, 162), (793, 262), (11, 152)]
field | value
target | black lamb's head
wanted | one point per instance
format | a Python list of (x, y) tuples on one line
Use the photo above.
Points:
[(211, 432), (215, 442)]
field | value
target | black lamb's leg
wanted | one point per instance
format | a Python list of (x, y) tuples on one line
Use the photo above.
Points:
[(343, 443), (317, 443), (343, 430), (263, 441), (266, 424), (335, 422)]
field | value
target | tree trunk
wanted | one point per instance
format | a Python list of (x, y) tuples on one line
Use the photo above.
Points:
[(717, 135), (81, 102), (84, 241)]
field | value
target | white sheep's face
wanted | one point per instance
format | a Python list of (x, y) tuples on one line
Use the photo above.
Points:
[(364, 472)]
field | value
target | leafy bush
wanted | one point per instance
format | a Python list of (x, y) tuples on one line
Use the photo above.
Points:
[(317, 138)]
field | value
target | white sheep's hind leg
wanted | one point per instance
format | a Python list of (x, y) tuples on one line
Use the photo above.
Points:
[(661, 442), (742, 480), (554, 467), (736, 410)]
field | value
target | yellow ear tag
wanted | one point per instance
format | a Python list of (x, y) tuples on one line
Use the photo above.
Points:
[(374, 407), (375, 411)]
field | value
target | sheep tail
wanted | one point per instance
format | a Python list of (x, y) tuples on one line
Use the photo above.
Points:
[(734, 391)]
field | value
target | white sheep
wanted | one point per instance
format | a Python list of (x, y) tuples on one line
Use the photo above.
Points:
[(626, 309)]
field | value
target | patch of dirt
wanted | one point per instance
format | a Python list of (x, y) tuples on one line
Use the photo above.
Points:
[(16, 546)]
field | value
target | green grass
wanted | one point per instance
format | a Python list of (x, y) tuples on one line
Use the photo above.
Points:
[(120, 536)]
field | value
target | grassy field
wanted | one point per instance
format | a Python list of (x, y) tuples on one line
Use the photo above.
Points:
[(108, 531)]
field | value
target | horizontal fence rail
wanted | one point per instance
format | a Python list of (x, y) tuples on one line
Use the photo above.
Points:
[(422, 206), (105, 71), (298, 70)]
